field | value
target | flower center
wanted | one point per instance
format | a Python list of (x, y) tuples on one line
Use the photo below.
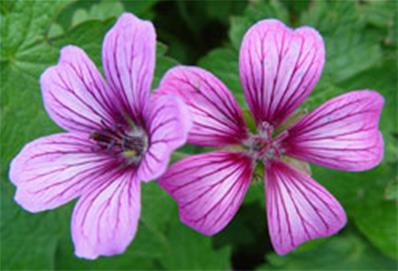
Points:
[(125, 143), (263, 146)]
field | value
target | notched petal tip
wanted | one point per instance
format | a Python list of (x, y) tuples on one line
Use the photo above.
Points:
[(126, 21), (168, 124), (279, 66), (74, 93), (273, 24), (208, 188), (126, 18), (298, 208), (70, 51), (105, 220), (342, 133), (128, 59)]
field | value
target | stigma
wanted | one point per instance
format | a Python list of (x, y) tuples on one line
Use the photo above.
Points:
[(264, 145), (127, 144)]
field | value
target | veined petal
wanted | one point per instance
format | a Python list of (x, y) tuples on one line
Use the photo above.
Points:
[(209, 188), (298, 208), (217, 118), (75, 94), (279, 67), (342, 133), (53, 170), (105, 219), (168, 122), (128, 58)]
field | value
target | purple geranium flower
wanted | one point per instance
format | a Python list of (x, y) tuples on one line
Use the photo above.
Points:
[(278, 69), (118, 135)]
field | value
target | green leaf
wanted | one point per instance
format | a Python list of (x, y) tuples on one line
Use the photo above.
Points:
[(382, 14), (25, 53), (142, 9), (344, 252), (192, 250), (349, 48), (392, 190), (27, 241)]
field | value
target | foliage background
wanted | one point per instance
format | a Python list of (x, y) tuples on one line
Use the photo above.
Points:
[(361, 44)]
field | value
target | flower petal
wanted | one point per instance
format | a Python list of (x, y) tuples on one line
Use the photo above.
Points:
[(75, 94), (209, 188), (128, 58), (279, 68), (105, 219), (342, 133), (53, 170), (298, 208), (168, 123), (217, 118)]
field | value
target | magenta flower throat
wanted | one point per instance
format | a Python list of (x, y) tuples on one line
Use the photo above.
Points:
[(118, 135), (278, 69)]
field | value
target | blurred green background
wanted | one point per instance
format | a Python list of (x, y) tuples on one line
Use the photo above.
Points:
[(361, 46)]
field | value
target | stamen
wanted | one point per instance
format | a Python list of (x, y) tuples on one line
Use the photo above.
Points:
[(126, 143), (265, 130), (262, 146)]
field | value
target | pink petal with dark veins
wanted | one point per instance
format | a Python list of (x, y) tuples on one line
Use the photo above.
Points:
[(53, 170), (298, 208), (209, 188), (279, 67), (168, 123), (75, 94), (342, 133), (217, 117), (105, 219), (128, 58)]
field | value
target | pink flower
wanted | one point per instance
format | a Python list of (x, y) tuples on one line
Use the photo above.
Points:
[(278, 69), (117, 135)]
